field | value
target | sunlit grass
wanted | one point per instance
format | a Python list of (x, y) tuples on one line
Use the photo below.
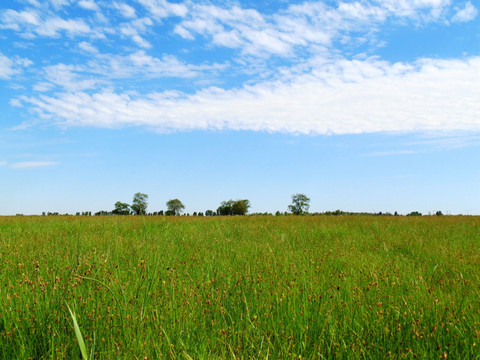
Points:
[(241, 287)]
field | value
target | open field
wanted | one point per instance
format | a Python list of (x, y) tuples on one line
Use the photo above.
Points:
[(240, 287)]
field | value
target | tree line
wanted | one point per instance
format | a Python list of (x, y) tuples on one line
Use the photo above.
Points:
[(175, 207), (300, 204)]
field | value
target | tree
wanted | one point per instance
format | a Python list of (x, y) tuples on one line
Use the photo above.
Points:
[(415, 213), (225, 208), (121, 208), (240, 207), (300, 204), (175, 206), (140, 203), (233, 207)]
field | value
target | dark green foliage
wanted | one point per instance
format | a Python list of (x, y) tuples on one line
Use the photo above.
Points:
[(121, 208), (175, 207), (240, 207), (415, 213), (140, 203), (233, 207), (300, 204)]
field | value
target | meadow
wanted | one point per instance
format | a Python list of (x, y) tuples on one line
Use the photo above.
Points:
[(287, 287)]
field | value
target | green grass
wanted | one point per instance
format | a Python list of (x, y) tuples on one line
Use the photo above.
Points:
[(239, 287)]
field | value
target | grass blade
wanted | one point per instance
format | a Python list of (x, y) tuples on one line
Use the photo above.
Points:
[(78, 334)]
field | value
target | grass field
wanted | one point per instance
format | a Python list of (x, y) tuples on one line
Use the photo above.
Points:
[(240, 287)]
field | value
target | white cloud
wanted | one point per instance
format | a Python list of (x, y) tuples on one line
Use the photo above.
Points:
[(105, 69), (341, 97), (184, 33), (133, 28), (6, 67), (14, 20), (389, 153), (57, 4), (300, 25), (141, 65), (43, 86), (85, 46), (124, 9), (426, 10), (307, 25), (32, 164), (52, 26), (10, 67), (15, 103), (3, 163), (244, 29), (67, 76), (162, 8), (88, 5), (137, 39), (469, 12), (31, 23)]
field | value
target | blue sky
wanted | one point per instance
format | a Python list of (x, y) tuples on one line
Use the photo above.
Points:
[(364, 105)]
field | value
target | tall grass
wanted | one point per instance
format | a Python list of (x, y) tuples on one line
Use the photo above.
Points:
[(242, 287)]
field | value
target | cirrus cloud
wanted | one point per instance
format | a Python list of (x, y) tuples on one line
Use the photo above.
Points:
[(32, 164)]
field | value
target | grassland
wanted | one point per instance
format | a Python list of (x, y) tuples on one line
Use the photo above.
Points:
[(240, 287)]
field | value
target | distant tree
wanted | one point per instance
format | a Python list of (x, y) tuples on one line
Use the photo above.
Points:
[(240, 207), (439, 213), (233, 207), (175, 206), (140, 203), (209, 213), (300, 204), (225, 208), (121, 208), (415, 213)]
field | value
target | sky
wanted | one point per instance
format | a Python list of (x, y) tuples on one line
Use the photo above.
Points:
[(367, 105)]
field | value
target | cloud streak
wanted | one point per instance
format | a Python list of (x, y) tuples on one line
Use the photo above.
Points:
[(32, 164), (338, 97), (32, 23), (105, 69)]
